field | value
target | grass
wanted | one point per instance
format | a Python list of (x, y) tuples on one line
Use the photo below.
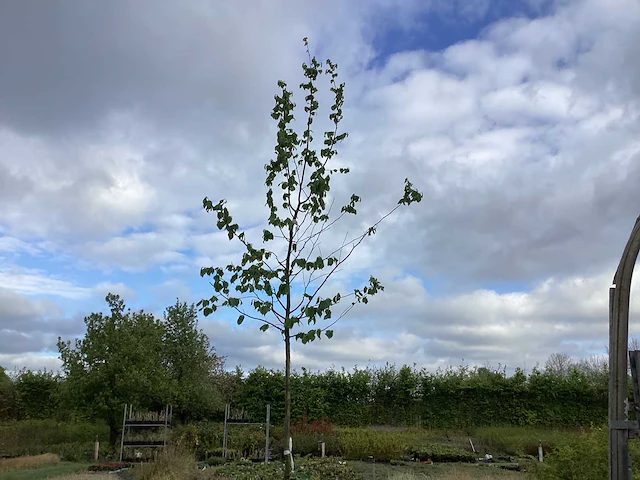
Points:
[(30, 461), (87, 476), (415, 471), (42, 472), (455, 474)]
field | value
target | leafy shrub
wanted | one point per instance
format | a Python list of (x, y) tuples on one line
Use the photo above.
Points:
[(215, 461), (583, 457), (305, 469), (360, 444), (33, 437), (437, 452), (109, 466)]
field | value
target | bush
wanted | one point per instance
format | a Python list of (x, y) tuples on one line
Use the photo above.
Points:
[(33, 437), (583, 457), (109, 466), (305, 469), (360, 444), (437, 452), (174, 463)]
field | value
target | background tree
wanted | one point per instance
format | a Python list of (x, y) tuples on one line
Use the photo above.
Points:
[(37, 394), (284, 283), (559, 364), (132, 357), (7, 396), (193, 367), (118, 361)]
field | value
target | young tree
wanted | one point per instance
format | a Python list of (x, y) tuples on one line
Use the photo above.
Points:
[(284, 284)]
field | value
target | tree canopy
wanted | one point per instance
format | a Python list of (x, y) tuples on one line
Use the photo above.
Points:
[(133, 357)]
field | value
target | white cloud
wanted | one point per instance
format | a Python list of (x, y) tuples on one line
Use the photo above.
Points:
[(524, 142)]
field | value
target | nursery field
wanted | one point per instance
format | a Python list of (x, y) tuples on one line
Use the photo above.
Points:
[(49, 449)]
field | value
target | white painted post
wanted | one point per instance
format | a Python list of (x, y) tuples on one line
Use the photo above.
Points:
[(291, 453), (540, 451)]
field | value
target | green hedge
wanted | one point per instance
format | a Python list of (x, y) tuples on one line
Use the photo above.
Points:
[(452, 398)]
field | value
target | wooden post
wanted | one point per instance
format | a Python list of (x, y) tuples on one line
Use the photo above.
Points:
[(96, 448), (322, 449), (619, 295)]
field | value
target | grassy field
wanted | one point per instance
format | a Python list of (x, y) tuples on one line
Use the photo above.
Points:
[(53, 470)]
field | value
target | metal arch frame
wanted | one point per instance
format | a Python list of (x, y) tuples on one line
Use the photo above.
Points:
[(620, 429)]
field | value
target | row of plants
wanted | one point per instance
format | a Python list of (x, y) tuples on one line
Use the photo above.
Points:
[(382, 443)]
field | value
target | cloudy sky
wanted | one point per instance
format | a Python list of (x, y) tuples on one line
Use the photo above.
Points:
[(518, 120)]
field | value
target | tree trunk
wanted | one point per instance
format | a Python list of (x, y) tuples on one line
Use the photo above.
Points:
[(287, 401)]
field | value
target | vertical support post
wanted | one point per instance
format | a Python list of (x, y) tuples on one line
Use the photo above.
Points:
[(124, 423), (619, 296), (166, 425), (540, 451), (96, 449), (618, 439), (322, 449), (266, 442), (224, 436)]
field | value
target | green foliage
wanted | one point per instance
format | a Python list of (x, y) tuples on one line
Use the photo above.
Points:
[(132, 357), (438, 452), (460, 398), (34, 437), (359, 444), (284, 290), (191, 363), (37, 394), (582, 457), (306, 469), (7, 396)]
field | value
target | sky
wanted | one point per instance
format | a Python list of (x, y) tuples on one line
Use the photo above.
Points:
[(517, 119)]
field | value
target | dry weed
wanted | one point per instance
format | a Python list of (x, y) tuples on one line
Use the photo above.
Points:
[(30, 461)]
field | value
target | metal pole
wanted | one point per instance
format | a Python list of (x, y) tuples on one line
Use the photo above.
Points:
[(124, 422), (166, 423), (224, 436), (619, 296), (266, 443)]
